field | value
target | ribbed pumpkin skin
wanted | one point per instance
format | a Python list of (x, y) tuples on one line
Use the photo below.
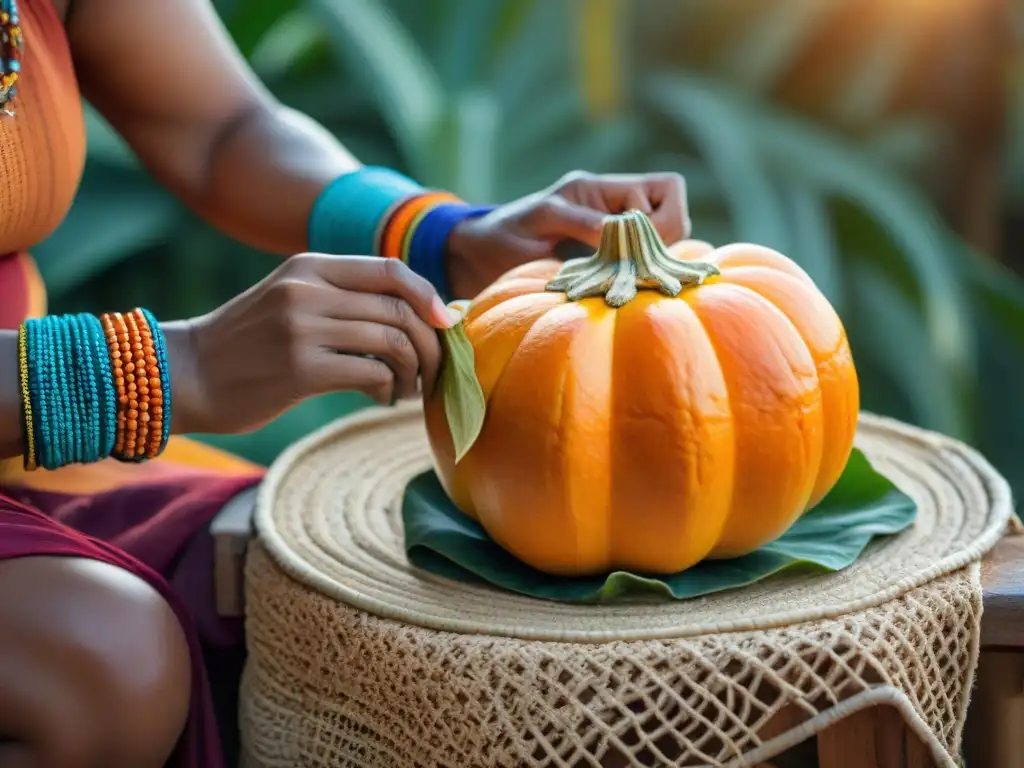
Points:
[(658, 434)]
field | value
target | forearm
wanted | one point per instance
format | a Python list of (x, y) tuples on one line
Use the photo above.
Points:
[(266, 169)]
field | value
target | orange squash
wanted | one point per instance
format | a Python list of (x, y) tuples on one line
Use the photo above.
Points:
[(647, 408)]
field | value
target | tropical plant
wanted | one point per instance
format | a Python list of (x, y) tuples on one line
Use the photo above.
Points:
[(496, 98)]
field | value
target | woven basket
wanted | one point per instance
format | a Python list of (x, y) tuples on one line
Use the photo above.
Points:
[(357, 660)]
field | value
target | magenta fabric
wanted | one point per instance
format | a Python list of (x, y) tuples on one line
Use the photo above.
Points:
[(157, 532)]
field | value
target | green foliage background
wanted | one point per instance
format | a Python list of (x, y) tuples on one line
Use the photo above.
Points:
[(497, 98)]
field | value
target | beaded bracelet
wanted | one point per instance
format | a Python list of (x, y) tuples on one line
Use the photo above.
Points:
[(93, 387), (67, 397), (138, 360), (379, 211)]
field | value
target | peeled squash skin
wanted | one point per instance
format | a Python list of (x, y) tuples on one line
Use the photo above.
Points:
[(654, 435)]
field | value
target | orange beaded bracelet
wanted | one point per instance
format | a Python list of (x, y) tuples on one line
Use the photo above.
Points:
[(149, 387), (112, 331), (136, 371)]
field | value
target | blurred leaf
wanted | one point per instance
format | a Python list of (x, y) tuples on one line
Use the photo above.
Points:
[(108, 222), (1001, 292), (868, 88), (474, 25), (910, 222), (294, 38), (381, 54), (773, 36), (553, 122), (535, 66), (604, 148), (718, 130), (105, 145), (251, 20), (909, 144), (890, 329), (477, 118), (814, 242), (509, 25)]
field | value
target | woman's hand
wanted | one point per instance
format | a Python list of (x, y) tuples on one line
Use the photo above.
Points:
[(317, 324), (574, 208)]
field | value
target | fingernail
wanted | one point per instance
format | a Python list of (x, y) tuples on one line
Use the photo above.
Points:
[(441, 314)]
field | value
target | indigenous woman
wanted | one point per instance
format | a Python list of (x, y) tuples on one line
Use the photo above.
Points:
[(106, 606)]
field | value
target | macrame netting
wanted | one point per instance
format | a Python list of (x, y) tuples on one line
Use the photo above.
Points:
[(357, 660)]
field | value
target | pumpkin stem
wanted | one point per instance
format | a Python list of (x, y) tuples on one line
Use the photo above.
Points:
[(631, 256)]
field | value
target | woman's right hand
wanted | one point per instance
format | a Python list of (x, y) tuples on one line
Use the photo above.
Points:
[(317, 324)]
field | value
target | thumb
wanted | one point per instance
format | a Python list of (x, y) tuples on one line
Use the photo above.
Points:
[(556, 217)]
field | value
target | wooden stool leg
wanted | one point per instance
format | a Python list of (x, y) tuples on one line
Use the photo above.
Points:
[(994, 734), (786, 719), (232, 529), (872, 738)]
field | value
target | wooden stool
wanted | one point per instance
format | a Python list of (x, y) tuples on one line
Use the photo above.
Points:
[(875, 738)]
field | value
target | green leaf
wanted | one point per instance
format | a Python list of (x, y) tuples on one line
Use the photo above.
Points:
[(467, 150), (464, 402), (814, 241), (250, 21), (893, 333), (536, 63), (913, 226), (719, 129), (294, 38), (105, 145), (116, 214), (472, 24), (862, 506), (380, 53)]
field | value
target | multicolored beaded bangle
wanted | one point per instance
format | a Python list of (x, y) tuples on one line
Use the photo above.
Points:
[(347, 215), (425, 245), (66, 402), (396, 228), (379, 211)]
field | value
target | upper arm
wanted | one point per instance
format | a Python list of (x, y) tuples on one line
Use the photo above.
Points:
[(167, 76)]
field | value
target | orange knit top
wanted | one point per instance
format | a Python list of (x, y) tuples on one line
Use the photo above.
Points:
[(42, 153)]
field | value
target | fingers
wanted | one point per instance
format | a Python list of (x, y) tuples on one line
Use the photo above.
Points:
[(363, 324), (368, 274), (662, 196), (398, 336), (671, 217), (557, 217), (349, 373), (386, 343)]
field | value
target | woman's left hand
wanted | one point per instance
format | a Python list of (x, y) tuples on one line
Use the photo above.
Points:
[(574, 208)]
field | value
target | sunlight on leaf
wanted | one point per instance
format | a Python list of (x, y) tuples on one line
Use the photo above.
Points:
[(773, 36), (291, 39)]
